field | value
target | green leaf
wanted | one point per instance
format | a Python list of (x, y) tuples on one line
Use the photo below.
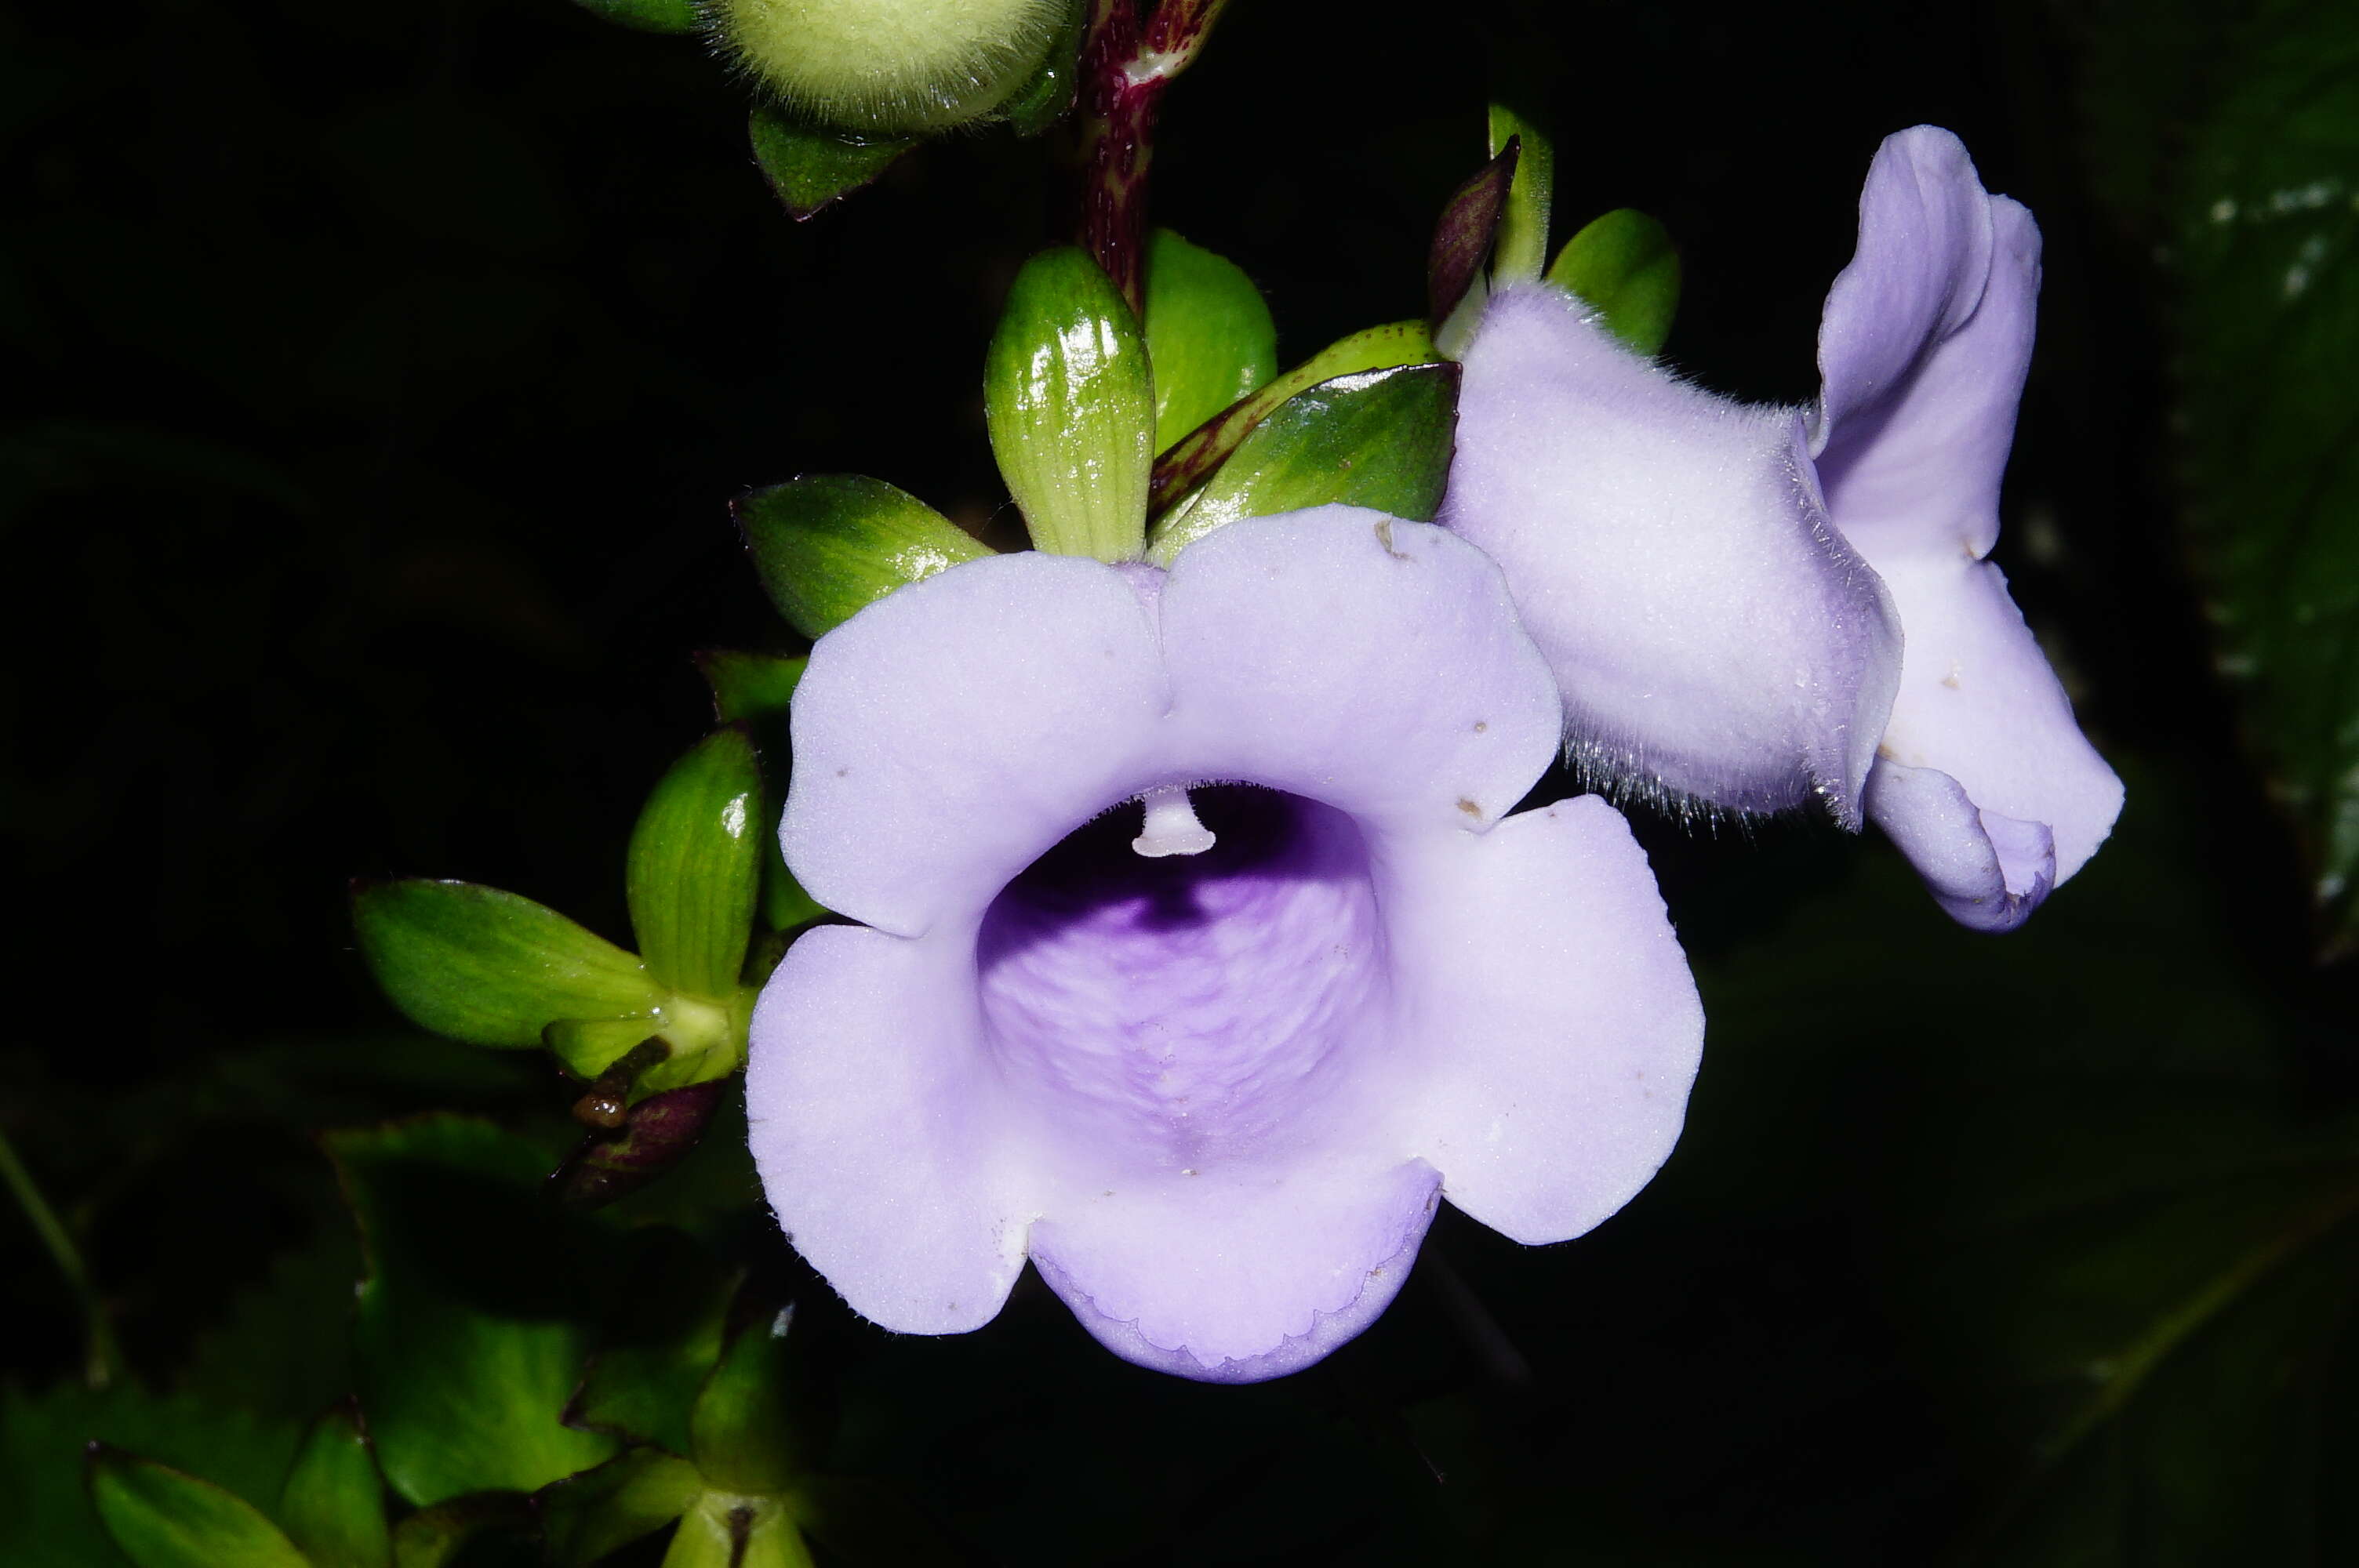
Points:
[(45, 1518), (634, 1494), (286, 1345), (1209, 335), (488, 966), (648, 15), (1380, 439), (664, 1341), (1624, 264), (2257, 223), (1070, 404), (745, 1435), (725, 1530), (750, 688), (808, 169), (163, 1517), (333, 1502), (587, 1046), (695, 865), (1522, 248), (1191, 461), (828, 545), (474, 1321), (433, 1537)]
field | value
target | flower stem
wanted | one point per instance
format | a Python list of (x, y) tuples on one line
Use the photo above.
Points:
[(104, 1355), (1125, 68)]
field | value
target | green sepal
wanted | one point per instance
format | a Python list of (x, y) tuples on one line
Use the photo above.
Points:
[(828, 545), (469, 1332), (488, 966), (750, 688), (648, 15), (587, 1046), (1193, 459), (695, 865), (334, 1503), (1209, 335), (809, 168), (758, 689), (1380, 439), (729, 1530), (744, 1434), (637, 1492), (1070, 405), (663, 1341), (433, 1537), (164, 1517), (1521, 249), (1624, 264)]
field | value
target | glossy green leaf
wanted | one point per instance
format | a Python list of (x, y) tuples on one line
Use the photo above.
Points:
[(662, 1343), (750, 688), (1521, 250), (695, 865), (633, 1495), (1070, 404), (725, 1530), (1380, 439), (2250, 198), (163, 1517), (648, 15), (828, 545), (474, 1322), (1625, 265), (488, 966), (808, 169), (1192, 460), (1209, 335), (745, 1434), (334, 1503)]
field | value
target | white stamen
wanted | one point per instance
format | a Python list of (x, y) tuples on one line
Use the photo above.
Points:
[(1170, 828)]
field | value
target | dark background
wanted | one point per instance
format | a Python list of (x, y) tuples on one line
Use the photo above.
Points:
[(383, 373)]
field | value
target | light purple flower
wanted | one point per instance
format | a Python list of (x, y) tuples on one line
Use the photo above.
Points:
[(1213, 1094), (1982, 778), (1743, 606)]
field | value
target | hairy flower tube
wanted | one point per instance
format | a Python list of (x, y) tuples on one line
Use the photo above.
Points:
[(1747, 605), (1200, 953)]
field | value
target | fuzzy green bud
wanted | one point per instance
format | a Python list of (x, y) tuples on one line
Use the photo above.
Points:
[(892, 66)]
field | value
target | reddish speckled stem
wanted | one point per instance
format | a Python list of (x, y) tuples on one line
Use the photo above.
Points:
[(1124, 69)]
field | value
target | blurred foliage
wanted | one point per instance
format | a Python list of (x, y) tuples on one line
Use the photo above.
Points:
[(394, 370), (2227, 137)]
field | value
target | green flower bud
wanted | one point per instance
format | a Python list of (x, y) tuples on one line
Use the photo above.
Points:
[(892, 66)]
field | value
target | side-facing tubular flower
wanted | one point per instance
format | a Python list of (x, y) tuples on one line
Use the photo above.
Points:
[(1746, 605), (1210, 1075), (1982, 778)]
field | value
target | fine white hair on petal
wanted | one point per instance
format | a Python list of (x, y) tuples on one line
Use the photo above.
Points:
[(1713, 635)]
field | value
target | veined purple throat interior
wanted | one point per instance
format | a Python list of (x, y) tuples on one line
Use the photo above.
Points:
[(1177, 1011)]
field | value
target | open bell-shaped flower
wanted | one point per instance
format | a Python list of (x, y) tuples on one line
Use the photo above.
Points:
[(1982, 778), (1209, 1063)]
